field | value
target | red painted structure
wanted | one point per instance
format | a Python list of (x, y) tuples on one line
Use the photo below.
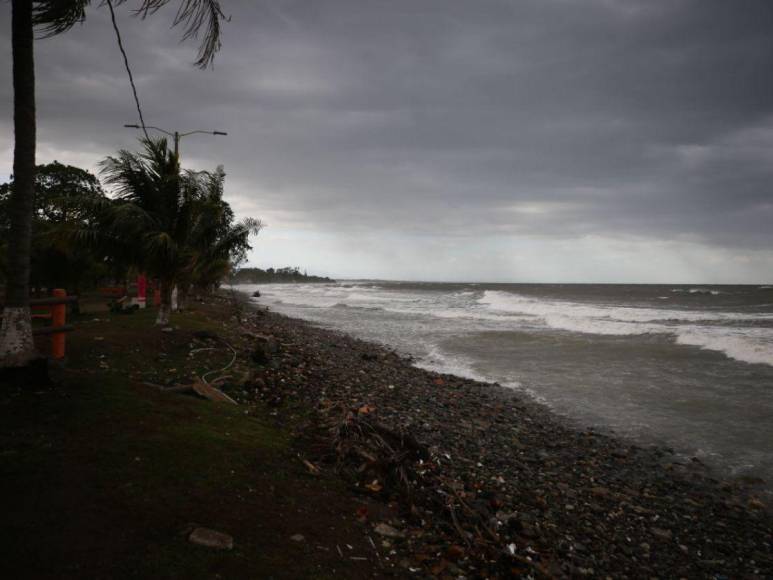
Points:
[(57, 306)]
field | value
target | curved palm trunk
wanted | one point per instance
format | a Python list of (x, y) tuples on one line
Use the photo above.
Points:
[(165, 308), (16, 346)]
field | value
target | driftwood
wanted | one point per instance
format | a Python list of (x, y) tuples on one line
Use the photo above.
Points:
[(177, 389), (200, 388), (212, 393)]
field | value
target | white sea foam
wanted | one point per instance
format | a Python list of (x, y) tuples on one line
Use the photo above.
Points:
[(438, 361), (708, 291), (743, 343), (730, 333), (704, 291), (516, 303), (751, 345)]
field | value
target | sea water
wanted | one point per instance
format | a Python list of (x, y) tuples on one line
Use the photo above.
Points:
[(690, 367)]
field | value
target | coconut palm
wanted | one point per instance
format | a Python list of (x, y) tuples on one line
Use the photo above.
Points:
[(172, 224), (151, 221), (54, 17), (216, 242), (16, 346)]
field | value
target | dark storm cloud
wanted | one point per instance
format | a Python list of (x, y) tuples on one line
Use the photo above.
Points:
[(550, 118)]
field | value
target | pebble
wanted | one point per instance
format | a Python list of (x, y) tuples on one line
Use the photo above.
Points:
[(211, 539), (388, 531)]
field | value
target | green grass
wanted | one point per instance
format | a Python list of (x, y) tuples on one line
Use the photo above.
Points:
[(107, 450), (102, 475)]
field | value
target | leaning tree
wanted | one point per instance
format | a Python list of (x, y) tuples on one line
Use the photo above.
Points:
[(52, 17)]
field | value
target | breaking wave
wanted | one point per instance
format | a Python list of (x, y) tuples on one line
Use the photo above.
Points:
[(744, 336), (723, 332)]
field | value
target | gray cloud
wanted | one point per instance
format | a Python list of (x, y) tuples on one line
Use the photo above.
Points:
[(527, 120)]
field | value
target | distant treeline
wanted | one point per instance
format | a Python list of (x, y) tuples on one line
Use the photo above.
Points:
[(258, 276)]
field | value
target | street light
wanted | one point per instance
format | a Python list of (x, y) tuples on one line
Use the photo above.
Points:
[(176, 136)]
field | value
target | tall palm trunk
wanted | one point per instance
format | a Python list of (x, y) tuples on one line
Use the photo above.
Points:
[(16, 346)]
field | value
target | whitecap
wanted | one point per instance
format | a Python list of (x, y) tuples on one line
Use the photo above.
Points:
[(750, 345)]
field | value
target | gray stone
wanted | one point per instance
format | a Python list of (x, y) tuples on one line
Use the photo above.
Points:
[(661, 533), (211, 539), (388, 531)]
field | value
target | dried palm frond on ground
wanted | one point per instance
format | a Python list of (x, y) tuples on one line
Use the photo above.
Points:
[(378, 456), (395, 466)]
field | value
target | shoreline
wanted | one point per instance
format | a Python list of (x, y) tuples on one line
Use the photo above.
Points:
[(717, 470), (554, 497)]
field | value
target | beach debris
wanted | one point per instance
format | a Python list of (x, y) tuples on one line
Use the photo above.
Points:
[(756, 504), (374, 486), (212, 393), (388, 531), (205, 335), (379, 459), (264, 347), (204, 379), (211, 539), (313, 469), (455, 552)]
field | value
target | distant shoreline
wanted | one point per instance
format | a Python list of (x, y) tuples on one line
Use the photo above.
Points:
[(274, 276)]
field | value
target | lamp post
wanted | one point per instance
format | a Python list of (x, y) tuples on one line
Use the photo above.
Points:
[(176, 135)]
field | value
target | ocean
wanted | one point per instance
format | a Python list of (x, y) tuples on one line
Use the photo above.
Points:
[(688, 367)]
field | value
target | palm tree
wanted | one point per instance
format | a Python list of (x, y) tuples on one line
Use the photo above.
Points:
[(54, 17), (16, 346), (216, 242), (151, 221), (172, 224)]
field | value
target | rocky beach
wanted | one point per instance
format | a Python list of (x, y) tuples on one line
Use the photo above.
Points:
[(477, 480)]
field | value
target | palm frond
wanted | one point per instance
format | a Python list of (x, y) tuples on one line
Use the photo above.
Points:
[(201, 18), (53, 17)]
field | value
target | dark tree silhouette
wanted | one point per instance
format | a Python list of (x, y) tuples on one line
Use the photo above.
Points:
[(63, 198), (200, 18), (170, 223)]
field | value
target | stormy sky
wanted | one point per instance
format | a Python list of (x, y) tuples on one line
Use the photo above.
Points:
[(494, 140)]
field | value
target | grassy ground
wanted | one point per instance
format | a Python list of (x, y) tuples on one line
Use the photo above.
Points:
[(102, 475)]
